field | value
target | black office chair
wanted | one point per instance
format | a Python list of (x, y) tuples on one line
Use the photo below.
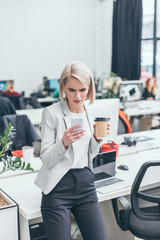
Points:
[(18, 101), (25, 135), (142, 218)]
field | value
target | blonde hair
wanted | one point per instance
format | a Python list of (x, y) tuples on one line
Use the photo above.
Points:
[(10, 86), (153, 90), (81, 72)]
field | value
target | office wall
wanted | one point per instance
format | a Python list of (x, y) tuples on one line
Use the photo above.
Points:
[(38, 37)]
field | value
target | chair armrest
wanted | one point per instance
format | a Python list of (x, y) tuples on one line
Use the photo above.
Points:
[(148, 197), (122, 216)]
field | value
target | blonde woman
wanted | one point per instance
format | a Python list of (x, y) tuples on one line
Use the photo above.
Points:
[(10, 89), (66, 176), (150, 89)]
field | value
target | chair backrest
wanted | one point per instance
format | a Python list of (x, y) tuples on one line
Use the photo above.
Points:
[(18, 102), (142, 217), (139, 197), (123, 124), (25, 135)]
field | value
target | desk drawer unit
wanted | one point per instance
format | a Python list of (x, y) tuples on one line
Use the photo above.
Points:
[(37, 231)]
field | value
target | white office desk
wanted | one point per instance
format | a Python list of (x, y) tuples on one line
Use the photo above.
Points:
[(36, 163), (140, 108), (48, 100), (33, 114), (137, 109), (140, 146), (28, 196)]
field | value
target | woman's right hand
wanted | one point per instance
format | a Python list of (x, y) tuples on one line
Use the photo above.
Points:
[(71, 136)]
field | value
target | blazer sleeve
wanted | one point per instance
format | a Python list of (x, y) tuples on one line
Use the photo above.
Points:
[(52, 149), (94, 147)]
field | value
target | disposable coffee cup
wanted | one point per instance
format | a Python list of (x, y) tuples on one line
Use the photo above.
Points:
[(101, 127), (36, 148), (27, 153)]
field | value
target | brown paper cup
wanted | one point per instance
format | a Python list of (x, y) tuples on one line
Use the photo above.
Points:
[(101, 127)]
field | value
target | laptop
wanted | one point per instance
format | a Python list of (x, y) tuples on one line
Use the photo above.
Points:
[(104, 168)]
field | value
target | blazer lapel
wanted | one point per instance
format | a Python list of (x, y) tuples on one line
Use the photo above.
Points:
[(66, 113), (89, 114)]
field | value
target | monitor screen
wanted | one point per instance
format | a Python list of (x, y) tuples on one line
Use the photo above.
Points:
[(108, 108), (2, 86), (53, 84), (131, 90)]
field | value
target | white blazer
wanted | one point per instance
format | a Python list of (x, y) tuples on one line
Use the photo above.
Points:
[(55, 158)]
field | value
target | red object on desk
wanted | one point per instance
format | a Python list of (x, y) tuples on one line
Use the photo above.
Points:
[(107, 147), (17, 153)]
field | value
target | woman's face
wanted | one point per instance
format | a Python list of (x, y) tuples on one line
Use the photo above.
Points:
[(76, 92)]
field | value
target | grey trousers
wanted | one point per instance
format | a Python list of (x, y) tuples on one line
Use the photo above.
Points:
[(75, 193)]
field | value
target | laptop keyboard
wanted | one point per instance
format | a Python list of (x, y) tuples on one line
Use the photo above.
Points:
[(107, 182)]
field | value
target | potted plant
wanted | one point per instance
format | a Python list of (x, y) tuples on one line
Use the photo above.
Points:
[(10, 163), (111, 85)]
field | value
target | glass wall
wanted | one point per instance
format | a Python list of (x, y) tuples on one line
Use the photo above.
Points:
[(148, 19), (150, 48)]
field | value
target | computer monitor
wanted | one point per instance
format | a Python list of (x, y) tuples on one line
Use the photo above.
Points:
[(4, 84), (108, 108), (131, 90), (51, 85)]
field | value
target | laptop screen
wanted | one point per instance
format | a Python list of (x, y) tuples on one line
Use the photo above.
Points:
[(104, 165)]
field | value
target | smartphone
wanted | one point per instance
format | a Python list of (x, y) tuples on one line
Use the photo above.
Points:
[(77, 121)]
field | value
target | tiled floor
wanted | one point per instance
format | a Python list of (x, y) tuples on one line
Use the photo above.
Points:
[(76, 235)]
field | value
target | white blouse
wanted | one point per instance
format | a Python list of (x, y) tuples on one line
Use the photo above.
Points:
[(81, 146)]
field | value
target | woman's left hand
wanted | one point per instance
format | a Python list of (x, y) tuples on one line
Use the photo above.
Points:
[(94, 131)]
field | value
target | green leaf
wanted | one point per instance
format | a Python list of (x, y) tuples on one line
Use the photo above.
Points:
[(31, 169), (7, 147), (18, 162), (28, 166), (17, 159), (23, 165), (4, 162), (10, 161), (7, 160), (16, 166)]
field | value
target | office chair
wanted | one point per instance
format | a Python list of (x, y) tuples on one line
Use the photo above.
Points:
[(142, 218), (18, 101), (123, 124), (25, 135)]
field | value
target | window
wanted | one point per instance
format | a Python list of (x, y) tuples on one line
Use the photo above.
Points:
[(150, 47)]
